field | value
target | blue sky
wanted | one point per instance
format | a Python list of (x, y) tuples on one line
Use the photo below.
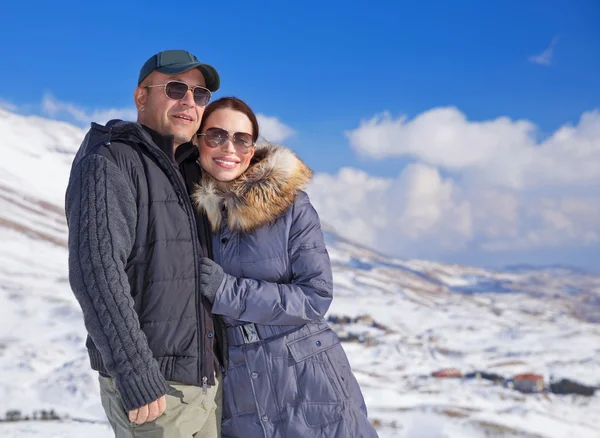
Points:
[(323, 67)]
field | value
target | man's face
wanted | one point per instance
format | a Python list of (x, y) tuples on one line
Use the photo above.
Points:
[(179, 118)]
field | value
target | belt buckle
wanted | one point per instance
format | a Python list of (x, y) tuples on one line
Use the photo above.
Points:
[(249, 333)]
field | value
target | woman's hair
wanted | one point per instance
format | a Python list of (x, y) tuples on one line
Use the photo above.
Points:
[(232, 103)]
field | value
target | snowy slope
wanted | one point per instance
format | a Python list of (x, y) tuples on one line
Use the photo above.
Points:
[(426, 315), (42, 360)]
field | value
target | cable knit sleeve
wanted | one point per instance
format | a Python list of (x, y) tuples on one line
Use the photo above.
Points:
[(102, 215)]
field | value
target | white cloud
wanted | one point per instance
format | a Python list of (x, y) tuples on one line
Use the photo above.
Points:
[(502, 151), (394, 215), (8, 106), (473, 186), (421, 214), (545, 58), (55, 108), (272, 129)]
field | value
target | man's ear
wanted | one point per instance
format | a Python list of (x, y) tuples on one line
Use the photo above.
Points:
[(140, 95)]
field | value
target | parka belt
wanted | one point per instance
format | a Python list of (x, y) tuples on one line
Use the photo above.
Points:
[(251, 333)]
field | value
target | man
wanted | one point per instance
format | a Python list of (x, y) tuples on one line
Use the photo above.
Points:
[(134, 251)]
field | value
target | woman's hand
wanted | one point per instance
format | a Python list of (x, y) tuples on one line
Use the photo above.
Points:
[(211, 276)]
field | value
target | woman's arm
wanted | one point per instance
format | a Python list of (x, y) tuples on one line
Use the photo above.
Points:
[(310, 292)]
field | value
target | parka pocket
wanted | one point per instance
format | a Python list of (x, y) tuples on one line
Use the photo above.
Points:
[(227, 410), (240, 400), (318, 380), (312, 344), (339, 370)]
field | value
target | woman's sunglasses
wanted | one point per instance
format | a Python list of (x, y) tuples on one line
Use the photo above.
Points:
[(217, 137), (177, 90)]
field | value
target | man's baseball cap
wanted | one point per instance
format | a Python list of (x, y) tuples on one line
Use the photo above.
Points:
[(177, 61)]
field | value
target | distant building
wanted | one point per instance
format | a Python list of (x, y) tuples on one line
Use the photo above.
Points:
[(528, 383), (447, 373)]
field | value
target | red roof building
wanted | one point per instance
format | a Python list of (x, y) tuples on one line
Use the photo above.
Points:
[(528, 383), (447, 373)]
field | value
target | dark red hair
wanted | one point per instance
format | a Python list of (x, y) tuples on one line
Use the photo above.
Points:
[(232, 103)]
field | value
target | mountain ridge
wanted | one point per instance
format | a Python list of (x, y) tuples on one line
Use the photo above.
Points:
[(401, 320)]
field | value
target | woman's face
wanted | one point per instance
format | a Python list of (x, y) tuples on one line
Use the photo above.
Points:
[(226, 161)]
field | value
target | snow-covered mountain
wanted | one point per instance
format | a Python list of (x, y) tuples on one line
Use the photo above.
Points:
[(401, 320)]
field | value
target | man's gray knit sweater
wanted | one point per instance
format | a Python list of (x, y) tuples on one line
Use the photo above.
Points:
[(102, 216)]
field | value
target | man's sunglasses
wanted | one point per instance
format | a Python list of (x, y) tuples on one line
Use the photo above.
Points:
[(217, 137), (177, 90)]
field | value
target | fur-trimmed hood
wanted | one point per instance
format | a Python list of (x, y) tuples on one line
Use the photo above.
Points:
[(257, 197)]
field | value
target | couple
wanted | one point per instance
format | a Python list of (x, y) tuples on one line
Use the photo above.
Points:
[(201, 270)]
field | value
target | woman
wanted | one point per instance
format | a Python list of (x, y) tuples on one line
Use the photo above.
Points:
[(288, 375)]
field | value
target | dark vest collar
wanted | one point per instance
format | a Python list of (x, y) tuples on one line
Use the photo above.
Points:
[(187, 151), (165, 143)]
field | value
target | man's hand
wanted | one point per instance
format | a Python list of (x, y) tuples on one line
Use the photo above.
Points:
[(150, 412)]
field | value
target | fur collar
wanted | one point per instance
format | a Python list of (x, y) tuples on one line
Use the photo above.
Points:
[(257, 197)]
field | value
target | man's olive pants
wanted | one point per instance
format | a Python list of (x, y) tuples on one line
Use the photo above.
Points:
[(189, 414)]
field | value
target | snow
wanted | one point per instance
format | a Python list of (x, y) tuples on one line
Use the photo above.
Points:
[(428, 316), (53, 429)]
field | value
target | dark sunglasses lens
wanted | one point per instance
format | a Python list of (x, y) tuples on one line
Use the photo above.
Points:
[(201, 96), (216, 136), (176, 90), (242, 139)]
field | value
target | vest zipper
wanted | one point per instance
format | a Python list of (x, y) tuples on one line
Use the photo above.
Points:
[(184, 198)]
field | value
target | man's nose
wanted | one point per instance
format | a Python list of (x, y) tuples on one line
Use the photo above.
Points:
[(189, 98)]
